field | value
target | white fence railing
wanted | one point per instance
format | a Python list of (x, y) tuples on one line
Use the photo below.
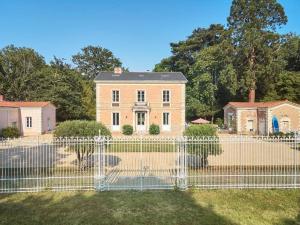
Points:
[(122, 163)]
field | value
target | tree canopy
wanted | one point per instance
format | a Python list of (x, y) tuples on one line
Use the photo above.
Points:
[(25, 76), (224, 63), (94, 59)]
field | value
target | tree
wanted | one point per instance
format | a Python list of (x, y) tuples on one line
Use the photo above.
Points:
[(184, 52), (214, 79), (94, 59), (253, 23), (291, 52), (63, 87), (81, 128), (89, 99), (16, 68)]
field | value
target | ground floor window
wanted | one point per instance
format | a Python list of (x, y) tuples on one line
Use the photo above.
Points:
[(29, 122), (250, 125), (116, 119), (285, 125), (166, 121)]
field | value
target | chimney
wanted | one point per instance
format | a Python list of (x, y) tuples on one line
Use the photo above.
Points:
[(1, 98), (118, 70), (251, 96)]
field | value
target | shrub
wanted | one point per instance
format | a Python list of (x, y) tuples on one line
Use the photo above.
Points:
[(10, 132), (219, 122), (81, 128), (127, 129), (154, 129), (200, 130), (277, 134), (206, 143), (283, 135)]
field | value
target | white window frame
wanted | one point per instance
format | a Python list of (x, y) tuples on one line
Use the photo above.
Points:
[(115, 127), (112, 96), (248, 128), (28, 121), (283, 120), (137, 95), (168, 126), (162, 93)]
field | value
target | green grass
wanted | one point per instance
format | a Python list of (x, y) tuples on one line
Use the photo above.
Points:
[(156, 207)]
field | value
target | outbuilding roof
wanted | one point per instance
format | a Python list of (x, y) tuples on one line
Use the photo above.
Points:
[(257, 104), (23, 104), (174, 77)]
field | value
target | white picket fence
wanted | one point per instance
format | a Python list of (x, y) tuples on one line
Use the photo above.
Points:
[(122, 163)]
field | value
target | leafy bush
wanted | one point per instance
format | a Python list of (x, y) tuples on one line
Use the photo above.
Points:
[(219, 122), (10, 132), (200, 130), (127, 129), (81, 128), (283, 135), (202, 142), (154, 129)]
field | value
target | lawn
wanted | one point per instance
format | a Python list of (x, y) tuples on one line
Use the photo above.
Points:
[(153, 207)]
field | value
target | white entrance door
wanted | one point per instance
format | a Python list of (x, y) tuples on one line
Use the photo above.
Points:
[(140, 122)]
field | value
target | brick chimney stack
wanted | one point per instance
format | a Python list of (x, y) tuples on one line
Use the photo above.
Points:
[(251, 96), (1, 98), (118, 70)]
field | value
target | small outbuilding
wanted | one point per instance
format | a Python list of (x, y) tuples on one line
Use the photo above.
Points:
[(31, 118), (262, 118)]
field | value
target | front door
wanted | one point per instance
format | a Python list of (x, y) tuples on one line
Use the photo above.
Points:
[(262, 127), (140, 122)]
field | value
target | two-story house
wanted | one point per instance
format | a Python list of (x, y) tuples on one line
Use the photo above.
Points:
[(141, 99)]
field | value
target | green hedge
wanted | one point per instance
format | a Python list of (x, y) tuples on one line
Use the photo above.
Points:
[(10, 132), (127, 129), (81, 128), (201, 130), (154, 129)]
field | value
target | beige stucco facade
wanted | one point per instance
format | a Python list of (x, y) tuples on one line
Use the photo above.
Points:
[(43, 119), (153, 107), (258, 120)]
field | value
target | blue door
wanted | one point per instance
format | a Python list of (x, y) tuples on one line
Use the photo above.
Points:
[(275, 124)]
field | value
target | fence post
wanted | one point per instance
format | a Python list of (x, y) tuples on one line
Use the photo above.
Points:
[(295, 160), (182, 179)]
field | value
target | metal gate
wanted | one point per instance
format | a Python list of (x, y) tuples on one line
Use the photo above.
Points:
[(140, 163)]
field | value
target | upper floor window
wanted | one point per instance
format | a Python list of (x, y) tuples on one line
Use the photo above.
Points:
[(166, 96), (140, 96), (115, 96), (29, 122)]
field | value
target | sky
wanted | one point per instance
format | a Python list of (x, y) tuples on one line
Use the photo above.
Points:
[(138, 32)]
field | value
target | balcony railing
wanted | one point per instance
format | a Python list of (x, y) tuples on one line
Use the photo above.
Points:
[(141, 106)]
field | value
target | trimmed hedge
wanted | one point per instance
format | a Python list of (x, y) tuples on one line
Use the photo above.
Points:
[(127, 129), (154, 129), (201, 130), (81, 128), (10, 132)]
